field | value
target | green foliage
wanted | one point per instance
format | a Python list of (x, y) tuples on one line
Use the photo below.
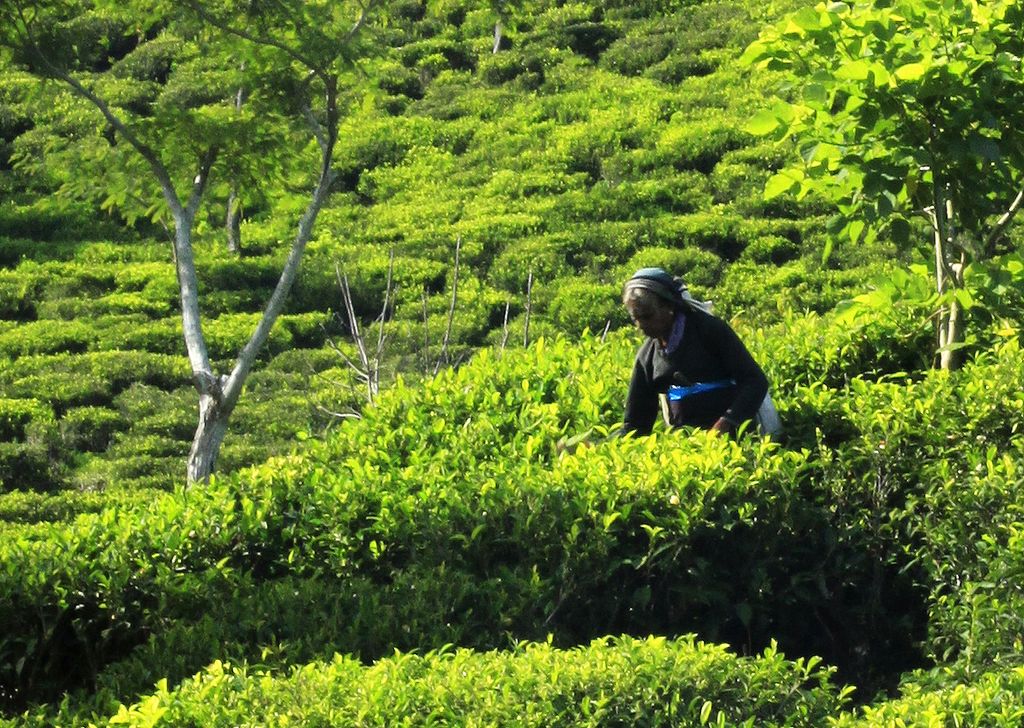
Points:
[(993, 699), (698, 268), (653, 682), (17, 416), (32, 507), (595, 141), (89, 429), (903, 92), (903, 110), (577, 305)]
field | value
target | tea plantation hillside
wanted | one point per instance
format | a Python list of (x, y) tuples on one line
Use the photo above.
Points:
[(447, 554), (601, 139), (885, 537)]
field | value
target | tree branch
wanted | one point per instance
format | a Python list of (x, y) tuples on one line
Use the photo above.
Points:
[(1004, 221), (216, 22), (247, 356), (443, 354), (147, 152), (200, 181)]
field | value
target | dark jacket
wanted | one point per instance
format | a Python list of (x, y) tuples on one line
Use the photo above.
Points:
[(709, 351)]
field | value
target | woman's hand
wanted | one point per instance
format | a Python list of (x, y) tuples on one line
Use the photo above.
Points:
[(722, 427)]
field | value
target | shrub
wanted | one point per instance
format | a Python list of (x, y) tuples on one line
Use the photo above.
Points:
[(63, 390), (47, 337), (20, 291), (25, 466), (111, 304), (544, 256), (700, 269), (699, 144), (79, 280), (139, 333), (653, 682), (139, 401), (17, 416), (453, 490), (771, 249), (32, 507), (126, 253), (993, 699), (89, 429), (578, 305), (94, 377)]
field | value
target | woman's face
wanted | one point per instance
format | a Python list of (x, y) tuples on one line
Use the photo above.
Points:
[(653, 320)]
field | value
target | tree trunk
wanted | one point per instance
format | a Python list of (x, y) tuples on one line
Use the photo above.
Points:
[(497, 38), (213, 425), (952, 326), (233, 223), (949, 278)]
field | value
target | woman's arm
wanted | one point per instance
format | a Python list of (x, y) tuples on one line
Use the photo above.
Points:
[(641, 401)]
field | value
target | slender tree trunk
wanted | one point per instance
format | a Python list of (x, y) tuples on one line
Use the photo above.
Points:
[(949, 278), (233, 219), (951, 357), (497, 37), (233, 223), (940, 286), (529, 308), (213, 425)]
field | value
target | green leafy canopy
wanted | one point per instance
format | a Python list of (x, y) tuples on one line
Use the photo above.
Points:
[(886, 101)]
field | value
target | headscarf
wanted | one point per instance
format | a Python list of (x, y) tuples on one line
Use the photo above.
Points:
[(663, 285)]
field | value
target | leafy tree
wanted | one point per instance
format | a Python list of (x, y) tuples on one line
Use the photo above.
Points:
[(906, 109), (160, 82)]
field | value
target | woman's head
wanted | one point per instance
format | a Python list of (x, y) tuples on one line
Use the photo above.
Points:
[(658, 282), (652, 298), (653, 315)]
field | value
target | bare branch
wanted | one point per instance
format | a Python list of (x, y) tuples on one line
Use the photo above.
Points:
[(275, 304), (353, 415), (384, 309), (443, 354), (504, 327), (529, 307), (1004, 221), (353, 322)]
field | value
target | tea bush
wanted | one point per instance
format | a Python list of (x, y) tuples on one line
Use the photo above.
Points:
[(993, 699), (89, 429), (47, 337), (17, 417), (27, 507), (117, 369), (578, 305), (653, 682), (27, 465), (20, 291), (457, 482)]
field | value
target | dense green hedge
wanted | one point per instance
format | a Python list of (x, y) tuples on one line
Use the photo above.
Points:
[(992, 700), (598, 140), (652, 682), (447, 515)]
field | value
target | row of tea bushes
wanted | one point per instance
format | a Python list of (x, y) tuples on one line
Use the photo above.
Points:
[(649, 682), (991, 700), (458, 481), (125, 418), (225, 334)]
